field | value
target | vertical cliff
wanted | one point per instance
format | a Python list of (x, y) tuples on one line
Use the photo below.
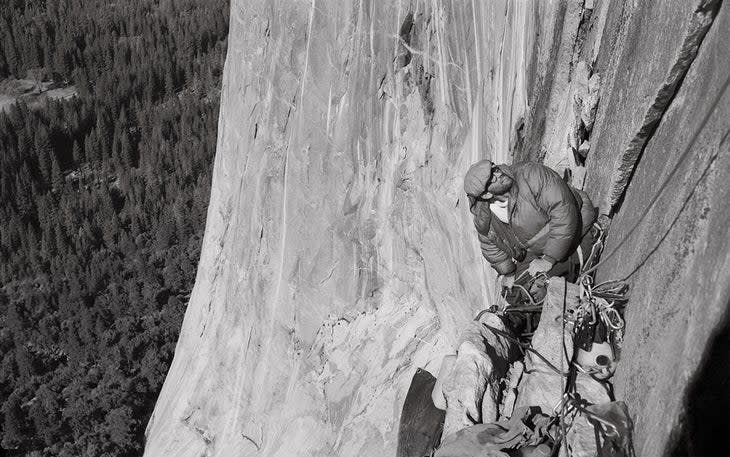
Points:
[(663, 127), (339, 254), (656, 159)]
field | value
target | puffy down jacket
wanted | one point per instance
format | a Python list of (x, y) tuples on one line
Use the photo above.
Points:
[(547, 217)]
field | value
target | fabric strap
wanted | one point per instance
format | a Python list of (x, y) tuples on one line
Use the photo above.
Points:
[(513, 246)]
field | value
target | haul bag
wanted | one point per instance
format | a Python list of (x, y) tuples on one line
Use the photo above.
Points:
[(421, 423)]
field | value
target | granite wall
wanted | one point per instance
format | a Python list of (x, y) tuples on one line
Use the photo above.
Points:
[(339, 254)]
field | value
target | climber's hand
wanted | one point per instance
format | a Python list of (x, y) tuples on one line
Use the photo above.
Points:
[(538, 266), (508, 281)]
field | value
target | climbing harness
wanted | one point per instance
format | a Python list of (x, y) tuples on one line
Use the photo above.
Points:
[(526, 292)]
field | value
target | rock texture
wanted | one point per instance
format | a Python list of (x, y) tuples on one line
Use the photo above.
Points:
[(644, 59), (473, 387), (662, 116), (565, 96), (678, 257), (339, 254)]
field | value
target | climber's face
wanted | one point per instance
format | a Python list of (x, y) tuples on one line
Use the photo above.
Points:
[(498, 185)]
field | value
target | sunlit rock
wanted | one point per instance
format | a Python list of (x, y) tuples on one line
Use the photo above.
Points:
[(473, 387), (339, 253)]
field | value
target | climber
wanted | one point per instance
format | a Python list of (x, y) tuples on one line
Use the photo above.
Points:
[(527, 219)]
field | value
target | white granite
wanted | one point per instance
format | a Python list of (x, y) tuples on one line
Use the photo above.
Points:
[(339, 254)]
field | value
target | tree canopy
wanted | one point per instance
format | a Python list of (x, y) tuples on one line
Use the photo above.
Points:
[(103, 200)]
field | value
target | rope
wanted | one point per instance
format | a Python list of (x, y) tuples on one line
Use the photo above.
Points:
[(523, 345), (676, 218), (570, 405), (665, 184), (534, 278), (598, 246), (598, 308), (534, 303), (576, 405), (563, 356), (529, 296), (524, 309), (593, 302), (560, 411)]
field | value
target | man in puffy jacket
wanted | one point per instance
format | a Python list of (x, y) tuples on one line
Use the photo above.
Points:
[(527, 217)]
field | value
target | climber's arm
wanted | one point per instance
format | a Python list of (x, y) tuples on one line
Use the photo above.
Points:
[(555, 198), (497, 258)]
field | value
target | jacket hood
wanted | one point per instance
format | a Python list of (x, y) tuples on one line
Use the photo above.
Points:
[(476, 178)]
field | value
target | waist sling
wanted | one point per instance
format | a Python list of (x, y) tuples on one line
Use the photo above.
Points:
[(509, 242)]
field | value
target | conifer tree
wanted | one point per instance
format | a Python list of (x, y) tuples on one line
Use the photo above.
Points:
[(100, 260)]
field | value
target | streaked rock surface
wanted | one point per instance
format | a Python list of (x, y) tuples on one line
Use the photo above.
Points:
[(643, 61), (339, 254), (678, 258)]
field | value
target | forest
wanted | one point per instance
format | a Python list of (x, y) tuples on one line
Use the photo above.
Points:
[(103, 199)]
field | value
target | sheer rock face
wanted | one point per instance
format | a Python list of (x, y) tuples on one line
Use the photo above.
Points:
[(339, 254), (663, 114), (678, 257), (643, 59)]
